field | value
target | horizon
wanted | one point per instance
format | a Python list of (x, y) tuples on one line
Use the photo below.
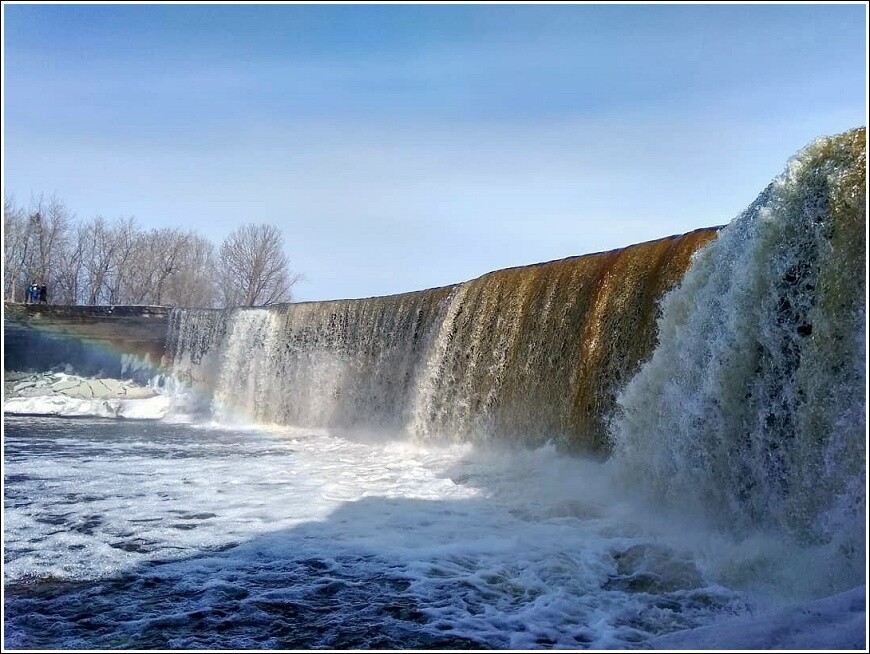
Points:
[(402, 148)]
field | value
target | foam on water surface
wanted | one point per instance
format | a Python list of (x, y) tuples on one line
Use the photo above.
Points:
[(261, 531), (737, 485)]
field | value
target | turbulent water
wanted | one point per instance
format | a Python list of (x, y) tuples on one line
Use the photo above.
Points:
[(156, 535), (528, 355), (402, 471), (753, 405)]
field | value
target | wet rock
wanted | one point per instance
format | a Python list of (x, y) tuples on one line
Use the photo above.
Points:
[(646, 568)]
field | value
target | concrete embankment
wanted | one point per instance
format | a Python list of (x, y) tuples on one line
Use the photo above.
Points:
[(111, 341)]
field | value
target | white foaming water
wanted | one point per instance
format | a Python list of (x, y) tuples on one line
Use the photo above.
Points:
[(752, 408), (744, 432), (432, 375), (494, 548), (245, 379)]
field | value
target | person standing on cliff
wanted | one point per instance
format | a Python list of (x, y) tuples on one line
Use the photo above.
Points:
[(43, 294), (32, 293)]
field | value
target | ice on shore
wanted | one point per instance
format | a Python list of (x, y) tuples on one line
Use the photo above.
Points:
[(152, 408), (60, 394), (58, 383)]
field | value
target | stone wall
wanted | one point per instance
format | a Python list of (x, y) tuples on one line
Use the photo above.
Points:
[(111, 341)]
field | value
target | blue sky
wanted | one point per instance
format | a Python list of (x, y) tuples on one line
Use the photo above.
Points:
[(405, 147)]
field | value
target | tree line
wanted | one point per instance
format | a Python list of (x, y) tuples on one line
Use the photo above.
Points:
[(102, 262)]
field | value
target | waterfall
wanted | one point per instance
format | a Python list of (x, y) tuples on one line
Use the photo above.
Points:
[(348, 363), (752, 407), (247, 373), (529, 354), (538, 353), (735, 389)]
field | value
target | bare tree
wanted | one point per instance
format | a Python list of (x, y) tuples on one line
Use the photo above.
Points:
[(194, 281), (15, 250), (48, 225), (34, 244), (171, 266), (169, 246), (255, 271), (102, 262), (125, 236), (70, 279)]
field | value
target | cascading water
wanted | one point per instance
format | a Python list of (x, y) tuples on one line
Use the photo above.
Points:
[(752, 408), (741, 397), (527, 354), (331, 364), (537, 354), (247, 374)]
